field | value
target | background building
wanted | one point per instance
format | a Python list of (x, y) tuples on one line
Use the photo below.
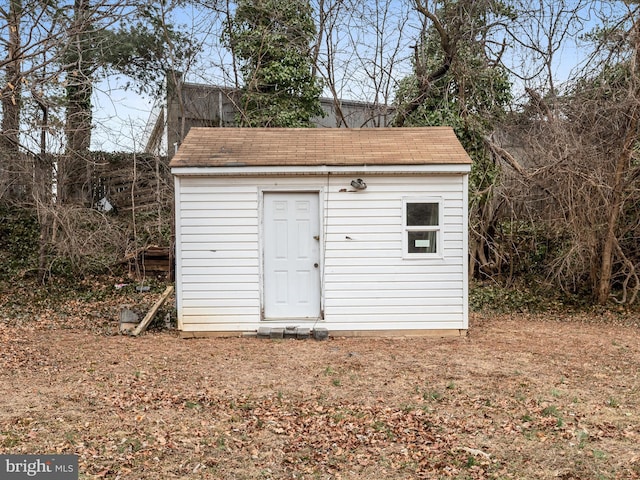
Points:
[(196, 105)]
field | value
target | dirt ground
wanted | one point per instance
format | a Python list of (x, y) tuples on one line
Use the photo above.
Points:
[(522, 397)]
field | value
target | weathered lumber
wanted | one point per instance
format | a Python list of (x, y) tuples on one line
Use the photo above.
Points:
[(142, 326)]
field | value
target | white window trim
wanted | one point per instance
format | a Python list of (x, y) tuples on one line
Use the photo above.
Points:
[(439, 229)]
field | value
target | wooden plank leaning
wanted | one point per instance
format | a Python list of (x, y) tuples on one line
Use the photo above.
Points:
[(142, 326)]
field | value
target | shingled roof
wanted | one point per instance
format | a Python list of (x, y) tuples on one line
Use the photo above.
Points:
[(224, 147)]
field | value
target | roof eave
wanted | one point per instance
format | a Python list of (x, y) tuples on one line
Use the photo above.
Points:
[(225, 171)]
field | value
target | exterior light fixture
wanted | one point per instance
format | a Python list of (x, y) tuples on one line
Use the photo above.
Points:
[(358, 184)]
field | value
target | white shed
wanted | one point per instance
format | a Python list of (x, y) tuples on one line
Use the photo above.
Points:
[(356, 231)]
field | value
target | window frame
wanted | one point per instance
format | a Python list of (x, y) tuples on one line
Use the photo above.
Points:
[(438, 229)]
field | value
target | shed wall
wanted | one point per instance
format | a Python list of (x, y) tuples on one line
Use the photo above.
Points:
[(367, 284)]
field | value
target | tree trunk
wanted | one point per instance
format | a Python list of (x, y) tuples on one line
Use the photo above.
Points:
[(620, 175), (74, 182), (617, 199), (11, 94)]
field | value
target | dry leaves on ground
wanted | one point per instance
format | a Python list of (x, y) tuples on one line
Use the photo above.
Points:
[(519, 397)]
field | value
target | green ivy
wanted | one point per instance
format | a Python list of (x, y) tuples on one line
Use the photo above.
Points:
[(495, 298), (272, 39), (19, 241)]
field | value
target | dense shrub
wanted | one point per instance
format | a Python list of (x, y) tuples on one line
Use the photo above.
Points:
[(19, 234)]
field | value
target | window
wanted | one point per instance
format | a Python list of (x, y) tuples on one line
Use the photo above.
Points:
[(422, 228)]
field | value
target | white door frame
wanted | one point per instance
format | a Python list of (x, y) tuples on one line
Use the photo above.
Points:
[(261, 244)]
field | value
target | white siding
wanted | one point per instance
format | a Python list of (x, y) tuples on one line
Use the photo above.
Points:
[(218, 273), (367, 284)]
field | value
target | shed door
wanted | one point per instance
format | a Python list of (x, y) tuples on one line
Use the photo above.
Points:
[(291, 255)]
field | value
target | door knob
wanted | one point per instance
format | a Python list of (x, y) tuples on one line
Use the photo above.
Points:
[(315, 265)]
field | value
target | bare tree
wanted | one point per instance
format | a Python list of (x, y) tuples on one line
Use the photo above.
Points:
[(579, 158), (361, 51), (426, 75), (52, 55), (545, 34)]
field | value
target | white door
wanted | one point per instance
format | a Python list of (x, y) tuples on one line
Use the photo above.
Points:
[(291, 255)]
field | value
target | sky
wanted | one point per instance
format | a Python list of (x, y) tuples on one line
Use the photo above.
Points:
[(120, 118)]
